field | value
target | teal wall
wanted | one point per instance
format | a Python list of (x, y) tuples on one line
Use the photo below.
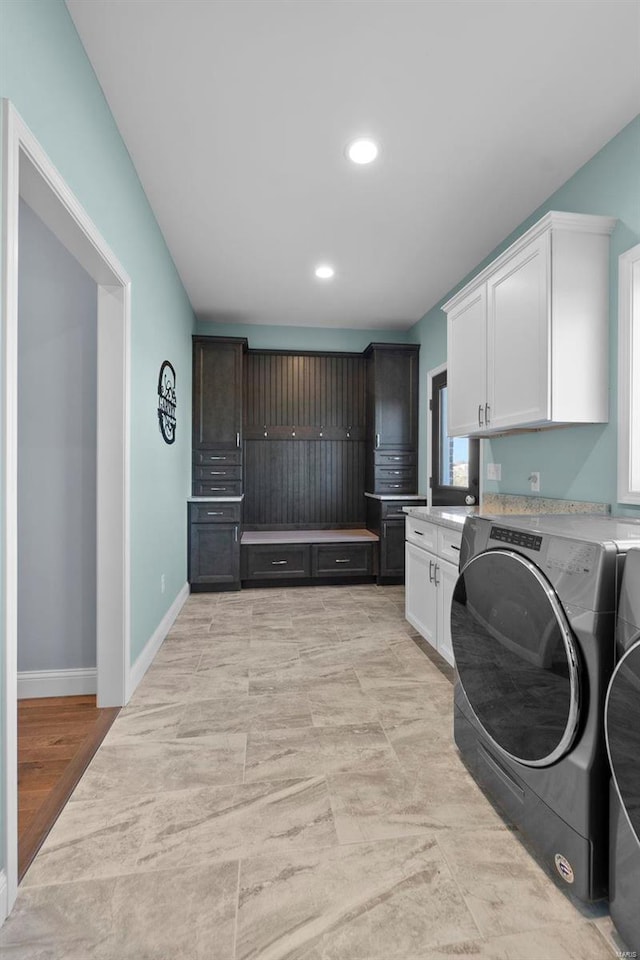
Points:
[(267, 337), (574, 462), (45, 73)]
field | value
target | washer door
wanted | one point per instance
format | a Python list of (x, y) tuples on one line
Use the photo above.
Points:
[(516, 657), (622, 724)]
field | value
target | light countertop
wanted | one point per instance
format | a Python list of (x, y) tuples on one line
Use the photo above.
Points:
[(452, 517), (216, 499), (396, 496)]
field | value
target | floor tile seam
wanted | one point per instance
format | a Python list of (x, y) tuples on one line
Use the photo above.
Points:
[(134, 871), (164, 792), (237, 911), (454, 879)]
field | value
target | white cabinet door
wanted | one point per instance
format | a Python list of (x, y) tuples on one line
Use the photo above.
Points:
[(518, 319), (447, 576), (421, 595), (467, 364)]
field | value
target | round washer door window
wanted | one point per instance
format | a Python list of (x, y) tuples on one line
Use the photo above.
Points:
[(516, 657), (622, 718)]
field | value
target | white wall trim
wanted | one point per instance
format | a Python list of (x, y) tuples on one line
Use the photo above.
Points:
[(155, 641), (56, 683), (4, 910), (430, 375), (27, 171), (628, 374)]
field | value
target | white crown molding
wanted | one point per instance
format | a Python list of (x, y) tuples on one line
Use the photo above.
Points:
[(155, 641), (554, 220)]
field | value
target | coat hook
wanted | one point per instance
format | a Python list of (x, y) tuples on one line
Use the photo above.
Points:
[(293, 432), (348, 431), (321, 429), (265, 430)]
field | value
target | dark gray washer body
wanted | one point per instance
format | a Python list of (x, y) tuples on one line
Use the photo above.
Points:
[(560, 807)]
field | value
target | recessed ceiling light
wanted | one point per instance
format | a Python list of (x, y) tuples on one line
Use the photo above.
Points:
[(324, 272), (362, 151)]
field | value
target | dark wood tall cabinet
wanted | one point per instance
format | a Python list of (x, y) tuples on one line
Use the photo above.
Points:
[(392, 418), (217, 468)]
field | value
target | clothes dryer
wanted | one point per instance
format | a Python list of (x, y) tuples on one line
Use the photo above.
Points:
[(533, 628), (622, 728)]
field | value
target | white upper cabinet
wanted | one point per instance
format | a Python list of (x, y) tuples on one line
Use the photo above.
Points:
[(528, 337)]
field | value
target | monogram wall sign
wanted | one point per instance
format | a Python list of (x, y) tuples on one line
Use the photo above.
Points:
[(167, 402)]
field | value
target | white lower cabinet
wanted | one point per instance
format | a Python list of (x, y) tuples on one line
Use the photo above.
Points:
[(429, 583)]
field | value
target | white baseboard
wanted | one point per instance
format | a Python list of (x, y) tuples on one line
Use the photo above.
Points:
[(4, 903), (56, 683), (155, 641)]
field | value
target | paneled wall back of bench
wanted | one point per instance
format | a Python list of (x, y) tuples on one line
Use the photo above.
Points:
[(304, 429)]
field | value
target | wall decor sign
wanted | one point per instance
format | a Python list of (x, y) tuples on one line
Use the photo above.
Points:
[(167, 402)]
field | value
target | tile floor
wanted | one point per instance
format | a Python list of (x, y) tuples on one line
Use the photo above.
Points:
[(284, 785)]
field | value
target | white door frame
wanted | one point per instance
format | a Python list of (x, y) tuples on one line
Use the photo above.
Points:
[(28, 172)]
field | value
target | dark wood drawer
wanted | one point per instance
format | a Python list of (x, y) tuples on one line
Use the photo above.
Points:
[(216, 472), (342, 559), (399, 458), (395, 486), (395, 473), (221, 457), (214, 512), (222, 488), (273, 562), (392, 509)]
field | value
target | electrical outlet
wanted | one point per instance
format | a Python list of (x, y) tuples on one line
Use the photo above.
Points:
[(162, 583), (534, 481), (494, 471)]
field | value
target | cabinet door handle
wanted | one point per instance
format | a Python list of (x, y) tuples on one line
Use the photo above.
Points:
[(430, 571), (377, 440), (394, 486), (480, 420), (436, 567), (457, 549), (235, 534), (216, 458), (237, 439), (347, 560), (418, 533), (487, 411), (215, 513), (276, 563), (216, 473), (395, 458), (218, 488)]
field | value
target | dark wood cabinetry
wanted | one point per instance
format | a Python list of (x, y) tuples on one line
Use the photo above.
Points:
[(217, 416), (387, 519), (214, 546), (300, 437), (392, 418)]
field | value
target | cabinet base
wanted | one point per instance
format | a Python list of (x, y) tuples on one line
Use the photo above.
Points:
[(213, 587), (308, 582)]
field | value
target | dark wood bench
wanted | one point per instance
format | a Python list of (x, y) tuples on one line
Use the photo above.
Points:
[(313, 555)]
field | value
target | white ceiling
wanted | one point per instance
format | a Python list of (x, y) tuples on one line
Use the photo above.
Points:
[(236, 115)]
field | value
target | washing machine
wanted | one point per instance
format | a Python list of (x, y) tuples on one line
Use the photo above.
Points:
[(533, 633), (622, 729)]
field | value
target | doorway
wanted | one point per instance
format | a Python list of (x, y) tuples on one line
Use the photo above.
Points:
[(29, 175), (454, 462)]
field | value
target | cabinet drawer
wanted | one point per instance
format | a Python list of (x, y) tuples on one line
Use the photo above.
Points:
[(392, 509), (395, 486), (214, 512), (422, 533), (392, 474), (394, 459), (223, 488), (342, 559), (223, 457), (449, 544), (214, 473), (267, 562)]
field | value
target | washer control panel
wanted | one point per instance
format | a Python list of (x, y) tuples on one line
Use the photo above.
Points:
[(517, 538)]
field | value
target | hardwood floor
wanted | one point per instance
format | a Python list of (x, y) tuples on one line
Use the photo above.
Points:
[(57, 737)]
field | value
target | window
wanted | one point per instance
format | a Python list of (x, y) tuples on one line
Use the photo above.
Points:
[(454, 460), (629, 376)]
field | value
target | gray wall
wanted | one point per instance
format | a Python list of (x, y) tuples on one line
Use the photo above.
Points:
[(57, 350)]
